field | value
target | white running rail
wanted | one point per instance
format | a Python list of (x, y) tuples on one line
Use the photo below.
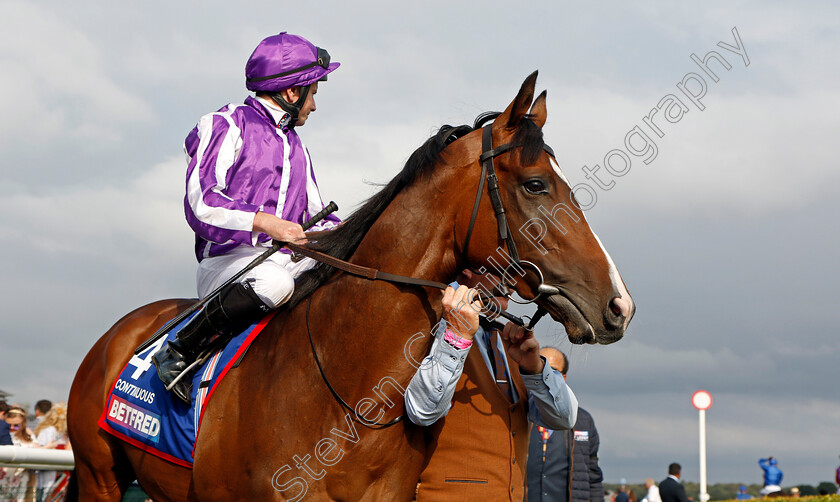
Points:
[(36, 458)]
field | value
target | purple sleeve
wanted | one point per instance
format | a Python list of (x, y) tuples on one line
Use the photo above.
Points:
[(211, 212)]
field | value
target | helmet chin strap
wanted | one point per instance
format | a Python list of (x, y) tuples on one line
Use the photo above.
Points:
[(293, 109)]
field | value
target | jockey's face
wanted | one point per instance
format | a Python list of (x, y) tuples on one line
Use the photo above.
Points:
[(292, 95), (308, 105)]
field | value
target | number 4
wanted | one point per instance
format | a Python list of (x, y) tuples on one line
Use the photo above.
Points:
[(143, 364)]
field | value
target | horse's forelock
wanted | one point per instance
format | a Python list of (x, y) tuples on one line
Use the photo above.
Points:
[(530, 136)]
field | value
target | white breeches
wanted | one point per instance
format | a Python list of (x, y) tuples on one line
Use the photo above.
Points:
[(272, 280), (768, 489)]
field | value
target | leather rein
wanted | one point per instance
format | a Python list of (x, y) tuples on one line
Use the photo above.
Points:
[(488, 172)]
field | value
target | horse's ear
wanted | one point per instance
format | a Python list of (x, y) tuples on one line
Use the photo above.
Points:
[(538, 111), (514, 113)]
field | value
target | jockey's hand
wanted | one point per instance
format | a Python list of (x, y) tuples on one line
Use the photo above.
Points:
[(460, 310), (523, 348), (279, 229)]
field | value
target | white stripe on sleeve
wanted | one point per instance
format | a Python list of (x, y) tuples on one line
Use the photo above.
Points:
[(219, 217)]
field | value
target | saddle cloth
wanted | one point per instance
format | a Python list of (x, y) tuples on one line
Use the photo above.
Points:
[(141, 412)]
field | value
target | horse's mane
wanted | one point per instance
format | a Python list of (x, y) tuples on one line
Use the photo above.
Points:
[(343, 241)]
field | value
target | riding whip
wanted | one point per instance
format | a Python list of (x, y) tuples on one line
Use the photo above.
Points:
[(276, 246)]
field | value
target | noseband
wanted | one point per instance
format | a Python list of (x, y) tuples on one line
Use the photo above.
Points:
[(488, 172)]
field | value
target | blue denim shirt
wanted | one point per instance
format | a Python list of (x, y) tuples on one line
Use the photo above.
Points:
[(551, 403)]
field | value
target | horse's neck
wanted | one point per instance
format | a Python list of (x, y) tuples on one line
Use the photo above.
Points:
[(373, 323), (412, 237)]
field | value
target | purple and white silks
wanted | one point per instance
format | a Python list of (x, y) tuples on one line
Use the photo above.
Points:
[(240, 162)]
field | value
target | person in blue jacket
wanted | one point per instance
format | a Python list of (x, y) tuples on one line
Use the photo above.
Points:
[(563, 465), (742, 493), (772, 475)]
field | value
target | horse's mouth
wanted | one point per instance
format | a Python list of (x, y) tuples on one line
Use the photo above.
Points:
[(578, 328)]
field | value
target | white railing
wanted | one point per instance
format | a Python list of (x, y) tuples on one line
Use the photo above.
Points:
[(36, 458)]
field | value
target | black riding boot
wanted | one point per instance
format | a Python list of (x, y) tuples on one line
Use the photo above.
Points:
[(224, 316)]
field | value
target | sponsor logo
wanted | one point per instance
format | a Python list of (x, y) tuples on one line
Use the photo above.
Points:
[(134, 391), (581, 435), (133, 417)]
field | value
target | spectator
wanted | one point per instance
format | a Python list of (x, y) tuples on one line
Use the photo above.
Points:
[(41, 409), (5, 437), (16, 419), (622, 495), (670, 489), (742, 494), (794, 492), (772, 475), (652, 491), (15, 481), (561, 463), (631, 496), (51, 433)]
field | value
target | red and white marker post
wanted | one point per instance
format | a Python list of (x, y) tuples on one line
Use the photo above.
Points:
[(702, 400)]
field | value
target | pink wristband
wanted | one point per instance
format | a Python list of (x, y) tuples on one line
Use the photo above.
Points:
[(455, 340)]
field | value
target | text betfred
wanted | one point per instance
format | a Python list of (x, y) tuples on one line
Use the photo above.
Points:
[(135, 418)]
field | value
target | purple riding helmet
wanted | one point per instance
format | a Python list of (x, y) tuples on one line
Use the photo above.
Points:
[(282, 61)]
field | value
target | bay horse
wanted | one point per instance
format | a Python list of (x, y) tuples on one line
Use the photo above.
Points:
[(273, 429)]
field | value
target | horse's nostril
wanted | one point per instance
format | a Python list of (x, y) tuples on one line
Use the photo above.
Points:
[(615, 308)]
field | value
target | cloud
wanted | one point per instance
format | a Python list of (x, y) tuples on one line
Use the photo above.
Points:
[(733, 157), (57, 85), (99, 220), (642, 433)]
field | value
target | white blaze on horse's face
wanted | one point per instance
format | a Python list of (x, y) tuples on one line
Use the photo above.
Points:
[(624, 302), (557, 170)]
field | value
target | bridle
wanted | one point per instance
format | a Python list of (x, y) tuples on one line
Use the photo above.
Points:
[(488, 172)]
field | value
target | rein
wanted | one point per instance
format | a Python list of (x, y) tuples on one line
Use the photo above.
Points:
[(361, 420), (360, 271), (488, 171)]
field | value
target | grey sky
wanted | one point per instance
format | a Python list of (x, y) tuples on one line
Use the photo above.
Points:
[(728, 240)]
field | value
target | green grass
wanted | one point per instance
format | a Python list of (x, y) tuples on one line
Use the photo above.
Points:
[(812, 498)]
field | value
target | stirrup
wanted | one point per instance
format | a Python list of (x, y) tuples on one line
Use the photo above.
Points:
[(198, 361), (167, 361), (183, 389)]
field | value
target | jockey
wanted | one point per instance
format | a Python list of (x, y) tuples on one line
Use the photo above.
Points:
[(249, 180)]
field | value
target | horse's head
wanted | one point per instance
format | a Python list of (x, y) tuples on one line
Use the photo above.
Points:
[(548, 229)]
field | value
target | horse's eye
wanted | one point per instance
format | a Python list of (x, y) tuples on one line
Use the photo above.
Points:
[(535, 187)]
